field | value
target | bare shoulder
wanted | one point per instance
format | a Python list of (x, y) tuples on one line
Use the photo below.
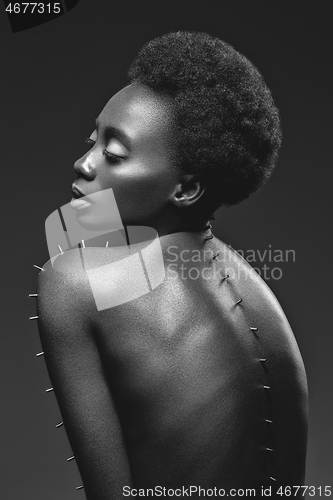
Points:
[(64, 267), (63, 292)]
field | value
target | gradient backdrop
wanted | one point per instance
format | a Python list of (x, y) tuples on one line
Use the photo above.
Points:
[(55, 79)]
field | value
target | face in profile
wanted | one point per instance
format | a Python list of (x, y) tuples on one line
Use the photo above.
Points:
[(129, 153)]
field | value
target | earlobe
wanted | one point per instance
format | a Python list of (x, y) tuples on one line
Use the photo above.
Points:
[(188, 191)]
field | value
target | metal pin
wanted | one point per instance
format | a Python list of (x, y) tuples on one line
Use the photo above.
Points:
[(59, 425), (37, 267), (50, 389), (215, 255), (253, 328), (60, 248), (33, 317), (267, 387), (263, 360), (268, 421), (40, 354), (83, 244), (225, 277), (269, 449), (70, 458), (238, 301), (272, 478), (80, 487), (107, 244), (32, 295), (210, 237)]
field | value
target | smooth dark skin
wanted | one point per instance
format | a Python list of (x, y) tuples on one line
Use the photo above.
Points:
[(168, 389)]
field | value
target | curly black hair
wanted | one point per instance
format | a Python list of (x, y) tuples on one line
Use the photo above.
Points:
[(227, 127)]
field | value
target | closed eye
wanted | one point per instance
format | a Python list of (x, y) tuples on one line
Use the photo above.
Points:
[(115, 150), (112, 157), (89, 141)]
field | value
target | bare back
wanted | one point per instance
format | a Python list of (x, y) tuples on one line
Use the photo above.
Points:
[(208, 380), (198, 382)]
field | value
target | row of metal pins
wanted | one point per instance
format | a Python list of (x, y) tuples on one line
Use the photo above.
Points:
[(210, 237), (262, 360), (61, 251), (266, 387), (60, 424), (83, 245), (252, 328), (35, 294), (35, 317)]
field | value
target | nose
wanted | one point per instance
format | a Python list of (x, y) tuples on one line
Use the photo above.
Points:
[(84, 167)]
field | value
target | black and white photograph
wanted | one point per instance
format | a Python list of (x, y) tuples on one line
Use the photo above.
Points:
[(166, 259)]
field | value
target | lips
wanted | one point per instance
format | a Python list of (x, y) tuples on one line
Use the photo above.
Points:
[(79, 200), (76, 192)]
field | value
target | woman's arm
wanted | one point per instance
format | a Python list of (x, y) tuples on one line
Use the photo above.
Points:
[(66, 313)]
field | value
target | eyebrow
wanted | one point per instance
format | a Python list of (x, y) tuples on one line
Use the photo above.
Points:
[(117, 133)]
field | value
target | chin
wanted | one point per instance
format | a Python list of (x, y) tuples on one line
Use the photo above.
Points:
[(90, 222)]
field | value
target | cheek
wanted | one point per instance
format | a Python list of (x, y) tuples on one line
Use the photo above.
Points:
[(146, 185)]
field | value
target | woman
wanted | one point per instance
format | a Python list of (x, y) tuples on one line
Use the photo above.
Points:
[(197, 381)]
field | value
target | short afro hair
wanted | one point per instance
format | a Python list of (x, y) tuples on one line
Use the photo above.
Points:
[(227, 128)]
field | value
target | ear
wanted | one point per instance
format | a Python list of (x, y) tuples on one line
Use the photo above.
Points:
[(188, 191)]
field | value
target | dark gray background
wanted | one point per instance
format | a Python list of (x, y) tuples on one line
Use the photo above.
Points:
[(55, 79)]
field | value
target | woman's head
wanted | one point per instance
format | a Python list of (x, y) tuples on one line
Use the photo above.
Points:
[(195, 128), (226, 127)]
